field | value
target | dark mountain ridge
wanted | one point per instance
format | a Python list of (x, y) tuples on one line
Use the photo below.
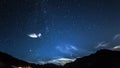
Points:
[(101, 59)]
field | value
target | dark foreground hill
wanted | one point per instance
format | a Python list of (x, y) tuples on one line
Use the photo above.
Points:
[(101, 59), (7, 61)]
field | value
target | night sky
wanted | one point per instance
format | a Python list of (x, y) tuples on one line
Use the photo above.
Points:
[(41, 30)]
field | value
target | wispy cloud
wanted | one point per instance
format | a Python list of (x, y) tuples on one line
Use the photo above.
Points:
[(117, 36), (111, 44), (116, 39), (102, 44), (68, 49), (73, 47)]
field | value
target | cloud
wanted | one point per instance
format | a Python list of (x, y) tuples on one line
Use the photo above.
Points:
[(73, 47), (59, 61), (110, 44), (102, 44), (116, 48), (116, 37), (67, 49), (34, 35)]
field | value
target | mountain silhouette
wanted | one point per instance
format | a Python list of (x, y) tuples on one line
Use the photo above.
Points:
[(101, 59), (7, 61)]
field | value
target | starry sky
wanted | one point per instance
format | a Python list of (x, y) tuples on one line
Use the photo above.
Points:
[(40, 30)]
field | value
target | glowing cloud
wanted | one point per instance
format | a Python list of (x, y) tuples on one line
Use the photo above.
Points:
[(59, 61), (34, 35), (117, 48)]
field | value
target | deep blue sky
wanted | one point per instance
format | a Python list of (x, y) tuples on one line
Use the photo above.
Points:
[(69, 28)]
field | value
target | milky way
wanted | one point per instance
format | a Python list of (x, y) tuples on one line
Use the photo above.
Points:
[(44, 30)]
